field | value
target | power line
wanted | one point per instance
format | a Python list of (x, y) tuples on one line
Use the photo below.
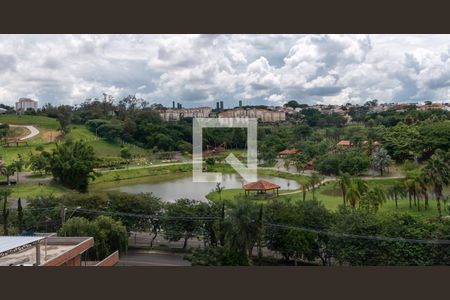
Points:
[(281, 226), (145, 216), (365, 237)]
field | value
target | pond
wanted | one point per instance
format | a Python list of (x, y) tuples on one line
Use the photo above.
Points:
[(184, 187)]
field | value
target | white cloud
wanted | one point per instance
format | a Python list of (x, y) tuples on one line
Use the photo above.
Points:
[(197, 69)]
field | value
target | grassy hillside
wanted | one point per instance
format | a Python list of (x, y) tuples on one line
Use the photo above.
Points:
[(47, 131), (37, 121), (48, 128), (102, 147)]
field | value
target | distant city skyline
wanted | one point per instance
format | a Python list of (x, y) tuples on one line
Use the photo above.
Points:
[(198, 70)]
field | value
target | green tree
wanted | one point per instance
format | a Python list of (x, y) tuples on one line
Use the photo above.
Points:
[(40, 163), (314, 182), (287, 162), (242, 229), (381, 160), (181, 220), (353, 194), (19, 164), (72, 164), (304, 190), (219, 188), (4, 193), (138, 212), (343, 182), (109, 235), (373, 199), (7, 171), (64, 118), (19, 215), (300, 162), (4, 130), (126, 154), (396, 191), (210, 161), (437, 174)]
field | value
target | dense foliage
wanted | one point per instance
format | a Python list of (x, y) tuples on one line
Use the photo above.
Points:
[(72, 164), (109, 235)]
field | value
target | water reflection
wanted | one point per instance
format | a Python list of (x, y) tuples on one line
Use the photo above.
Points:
[(184, 187)]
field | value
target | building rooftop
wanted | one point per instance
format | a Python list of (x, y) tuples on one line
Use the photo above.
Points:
[(261, 185), (41, 250), (344, 143), (288, 151), (12, 244)]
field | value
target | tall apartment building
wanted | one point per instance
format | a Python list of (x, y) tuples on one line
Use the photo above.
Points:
[(24, 104), (265, 115), (171, 114)]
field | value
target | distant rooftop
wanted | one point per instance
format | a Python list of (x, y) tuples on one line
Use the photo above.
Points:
[(26, 100)]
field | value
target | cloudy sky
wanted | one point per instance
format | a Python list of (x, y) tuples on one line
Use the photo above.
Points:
[(201, 69)]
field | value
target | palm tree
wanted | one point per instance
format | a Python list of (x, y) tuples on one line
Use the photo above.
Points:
[(353, 194), (397, 190), (2, 167), (381, 160), (314, 181), (7, 171), (409, 186), (437, 174), (362, 185), (19, 163), (219, 188), (420, 188), (304, 190), (243, 227), (424, 189), (343, 182)]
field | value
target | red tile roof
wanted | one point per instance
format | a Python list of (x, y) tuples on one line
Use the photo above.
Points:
[(260, 185), (289, 151), (345, 143)]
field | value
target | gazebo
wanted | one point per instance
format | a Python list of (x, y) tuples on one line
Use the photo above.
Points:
[(261, 187)]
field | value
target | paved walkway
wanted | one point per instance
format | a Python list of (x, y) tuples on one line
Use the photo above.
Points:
[(33, 131), (153, 258)]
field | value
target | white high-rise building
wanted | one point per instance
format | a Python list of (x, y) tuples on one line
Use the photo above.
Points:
[(24, 104)]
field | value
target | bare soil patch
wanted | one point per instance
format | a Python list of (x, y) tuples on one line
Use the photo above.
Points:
[(52, 135)]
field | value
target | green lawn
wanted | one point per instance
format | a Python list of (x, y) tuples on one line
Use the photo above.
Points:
[(44, 124), (331, 197), (8, 154), (38, 121), (28, 191), (127, 174), (102, 147)]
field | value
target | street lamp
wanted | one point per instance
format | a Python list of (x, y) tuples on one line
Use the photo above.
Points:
[(63, 215), (78, 207)]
